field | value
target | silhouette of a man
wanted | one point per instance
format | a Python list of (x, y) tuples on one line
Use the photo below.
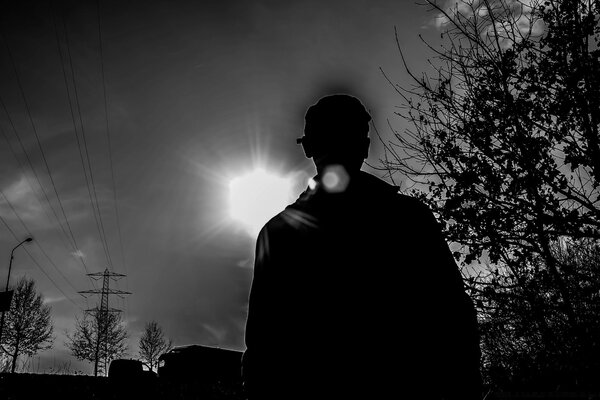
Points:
[(355, 293)]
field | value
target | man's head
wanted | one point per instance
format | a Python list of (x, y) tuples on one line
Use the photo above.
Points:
[(336, 132)]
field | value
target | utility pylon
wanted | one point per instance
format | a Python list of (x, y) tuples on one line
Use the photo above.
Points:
[(102, 313)]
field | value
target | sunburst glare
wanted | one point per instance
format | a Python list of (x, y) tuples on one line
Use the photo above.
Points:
[(256, 197)]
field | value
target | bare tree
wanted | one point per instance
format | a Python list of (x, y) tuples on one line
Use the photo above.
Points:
[(503, 144), (28, 328), (87, 342), (153, 344)]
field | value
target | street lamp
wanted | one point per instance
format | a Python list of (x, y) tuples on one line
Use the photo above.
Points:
[(29, 239)]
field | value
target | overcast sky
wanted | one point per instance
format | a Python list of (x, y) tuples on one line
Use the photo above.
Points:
[(197, 92)]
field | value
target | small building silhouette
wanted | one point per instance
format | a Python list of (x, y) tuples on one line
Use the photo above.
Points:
[(200, 363)]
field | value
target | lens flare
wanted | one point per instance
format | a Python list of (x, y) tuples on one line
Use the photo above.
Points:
[(335, 179)]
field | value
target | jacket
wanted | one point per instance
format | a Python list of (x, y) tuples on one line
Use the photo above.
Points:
[(357, 294)]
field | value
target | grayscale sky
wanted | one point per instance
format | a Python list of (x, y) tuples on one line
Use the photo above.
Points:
[(197, 92)]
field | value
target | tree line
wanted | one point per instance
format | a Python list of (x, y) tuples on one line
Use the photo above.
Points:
[(101, 337)]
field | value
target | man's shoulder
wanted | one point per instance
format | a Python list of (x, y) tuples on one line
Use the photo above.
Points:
[(375, 194), (411, 203), (417, 210), (292, 219)]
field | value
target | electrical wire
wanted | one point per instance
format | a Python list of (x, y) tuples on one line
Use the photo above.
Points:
[(37, 263), (31, 186), (112, 173), (30, 163), (101, 231), (28, 231), (27, 108), (73, 120), (22, 168)]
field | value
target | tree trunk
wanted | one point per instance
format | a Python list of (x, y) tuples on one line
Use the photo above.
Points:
[(15, 355)]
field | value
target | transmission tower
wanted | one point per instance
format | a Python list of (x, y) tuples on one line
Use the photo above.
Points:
[(102, 313)]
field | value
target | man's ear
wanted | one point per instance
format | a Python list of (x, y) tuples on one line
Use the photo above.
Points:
[(307, 146)]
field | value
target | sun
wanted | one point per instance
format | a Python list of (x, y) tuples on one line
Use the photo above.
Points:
[(256, 197)]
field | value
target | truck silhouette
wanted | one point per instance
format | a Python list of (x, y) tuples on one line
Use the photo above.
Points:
[(129, 369)]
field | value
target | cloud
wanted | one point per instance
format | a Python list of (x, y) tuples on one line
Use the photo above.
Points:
[(78, 254), (20, 197), (23, 198), (52, 300), (455, 9), (513, 20)]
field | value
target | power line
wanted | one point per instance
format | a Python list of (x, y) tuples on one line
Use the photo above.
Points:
[(31, 186), (28, 231), (37, 264), (28, 111), (22, 91), (73, 247), (37, 178), (50, 279), (22, 168), (72, 112), (87, 155), (112, 172)]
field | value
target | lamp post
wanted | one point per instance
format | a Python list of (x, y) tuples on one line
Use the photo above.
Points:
[(29, 239)]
